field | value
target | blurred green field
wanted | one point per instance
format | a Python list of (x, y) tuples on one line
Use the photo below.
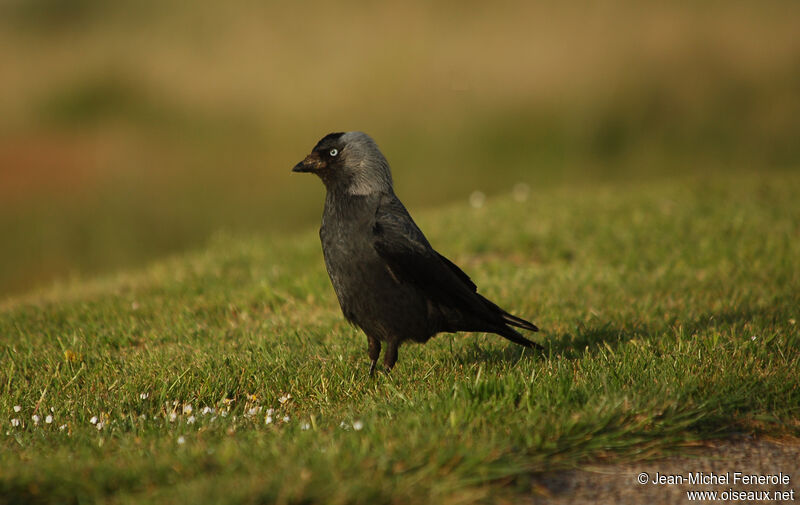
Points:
[(131, 130), (668, 309)]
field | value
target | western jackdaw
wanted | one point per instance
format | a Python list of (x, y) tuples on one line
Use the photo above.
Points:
[(389, 280)]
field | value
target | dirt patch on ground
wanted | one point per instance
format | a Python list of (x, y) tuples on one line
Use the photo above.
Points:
[(776, 463)]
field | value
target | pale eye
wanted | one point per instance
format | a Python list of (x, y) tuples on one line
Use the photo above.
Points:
[(334, 152)]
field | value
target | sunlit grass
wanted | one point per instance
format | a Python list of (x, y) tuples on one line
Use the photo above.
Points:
[(669, 312)]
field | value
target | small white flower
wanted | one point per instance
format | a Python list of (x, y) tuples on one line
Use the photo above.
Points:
[(343, 425), (48, 419), (15, 422), (270, 412), (35, 419), (144, 396), (305, 426), (187, 409), (172, 417), (143, 417), (251, 412), (181, 440), (62, 427), (477, 199), (285, 398), (207, 410), (100, 425), (285, 419), (753, 338), (190, 420), (268, 420), (357, 425), (224, 413), (17, 408), (93, 420), (213, 418)]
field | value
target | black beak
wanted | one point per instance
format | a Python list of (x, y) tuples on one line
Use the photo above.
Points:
[(311, 164), (302, 167)]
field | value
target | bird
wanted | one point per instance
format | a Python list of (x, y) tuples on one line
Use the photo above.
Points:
[(387, 277)]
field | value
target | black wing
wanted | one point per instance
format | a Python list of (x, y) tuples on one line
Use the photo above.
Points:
[(410, 257)]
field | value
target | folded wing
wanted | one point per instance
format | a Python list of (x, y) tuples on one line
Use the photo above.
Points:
[(411, 259)]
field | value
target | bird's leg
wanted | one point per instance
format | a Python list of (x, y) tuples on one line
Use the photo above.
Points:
[(373, 350), (390, 355)]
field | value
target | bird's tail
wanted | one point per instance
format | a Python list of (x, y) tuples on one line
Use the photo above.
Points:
[(510, 318), (519, 322), (515, 337)]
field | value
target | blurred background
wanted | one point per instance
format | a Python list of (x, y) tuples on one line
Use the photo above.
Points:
[(134, 129)]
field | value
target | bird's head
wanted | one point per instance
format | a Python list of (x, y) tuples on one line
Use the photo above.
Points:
[(349, 162)]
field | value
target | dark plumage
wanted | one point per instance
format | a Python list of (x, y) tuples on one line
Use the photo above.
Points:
[(389, 280)]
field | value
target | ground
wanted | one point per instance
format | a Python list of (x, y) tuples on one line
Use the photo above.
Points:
[(619, 483)]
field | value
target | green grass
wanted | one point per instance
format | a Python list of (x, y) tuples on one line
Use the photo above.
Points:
[(669, 313)]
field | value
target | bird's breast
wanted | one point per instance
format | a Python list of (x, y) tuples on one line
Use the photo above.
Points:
[(370, 294)]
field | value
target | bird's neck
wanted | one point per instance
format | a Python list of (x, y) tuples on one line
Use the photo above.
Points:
[(358, 182), (343, 207), (353, 185)]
